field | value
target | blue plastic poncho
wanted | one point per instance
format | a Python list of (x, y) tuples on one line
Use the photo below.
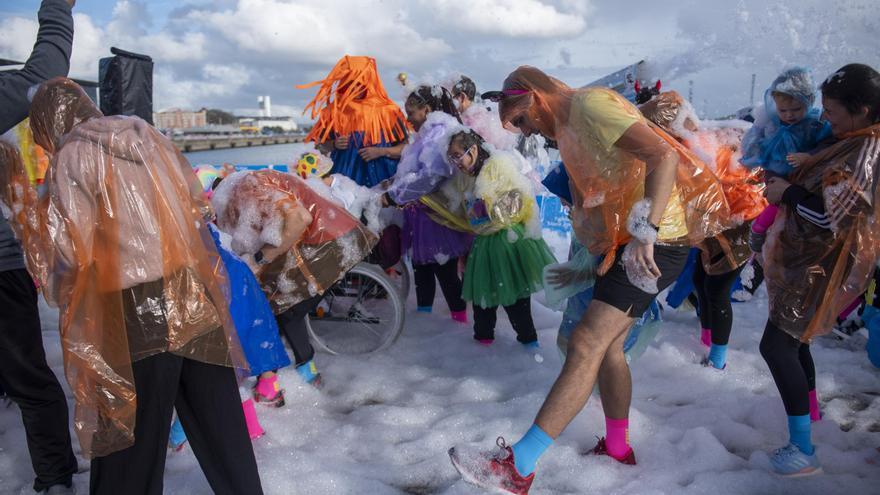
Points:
[(252, 315), (770, 141)]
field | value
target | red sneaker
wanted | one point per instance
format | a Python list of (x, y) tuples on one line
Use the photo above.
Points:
[(494, 471), (601, 449)]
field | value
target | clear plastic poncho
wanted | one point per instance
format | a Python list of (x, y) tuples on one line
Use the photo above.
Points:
[(718, 147), (813, 273), (497, 198), (121, 247), (608, 180), (253, 208)]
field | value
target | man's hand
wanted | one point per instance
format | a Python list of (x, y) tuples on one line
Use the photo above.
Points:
[(71, 3), (643, 256), (341, 143), (371, 153)]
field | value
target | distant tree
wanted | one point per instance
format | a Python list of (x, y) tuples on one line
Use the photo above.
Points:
[(272, 130), (220, 117)]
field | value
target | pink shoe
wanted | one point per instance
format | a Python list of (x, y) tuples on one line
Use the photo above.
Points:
[(486, 342), (268, 392), (250, 418), (706, 337), (459, 316)]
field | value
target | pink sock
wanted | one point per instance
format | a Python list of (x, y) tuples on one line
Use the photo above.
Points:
[(250, 419), (617, 437), (268, 387), (815, 415), (706, 337), (765, 219)]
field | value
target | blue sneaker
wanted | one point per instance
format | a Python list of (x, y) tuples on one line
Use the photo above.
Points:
[(309, 373), (790, 461), (425, 309), (532, 345)]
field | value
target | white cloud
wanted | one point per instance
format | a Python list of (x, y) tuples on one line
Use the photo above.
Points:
[(225, 52), (511, 18)]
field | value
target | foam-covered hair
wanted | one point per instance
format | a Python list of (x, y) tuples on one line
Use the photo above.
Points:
[(796, 82)]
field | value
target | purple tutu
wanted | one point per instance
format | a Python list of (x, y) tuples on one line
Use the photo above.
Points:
[(429, 241)]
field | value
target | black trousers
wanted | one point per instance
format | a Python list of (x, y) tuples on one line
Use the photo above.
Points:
[(520, 315), (28, 381), (713, 294), (447, 275), (209, 407), (791, 365), (292, 324)]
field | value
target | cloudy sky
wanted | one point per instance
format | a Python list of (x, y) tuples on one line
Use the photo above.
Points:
[(223, 53)]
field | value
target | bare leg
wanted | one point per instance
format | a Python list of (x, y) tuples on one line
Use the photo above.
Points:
[(601, 325), (615, 381)]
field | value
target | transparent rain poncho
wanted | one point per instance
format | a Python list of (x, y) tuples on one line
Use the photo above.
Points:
[(120, 245), (253, 208), (718, 147), (608, 180), (813, 273)]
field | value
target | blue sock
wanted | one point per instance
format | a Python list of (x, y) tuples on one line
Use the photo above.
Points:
[(529, 448), (424, 309), (718, 355), (308, 371), (799, 431), (178, 437)]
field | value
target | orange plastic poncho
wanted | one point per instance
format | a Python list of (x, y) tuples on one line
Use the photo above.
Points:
[(719, 148), (353, 99), (250, 208), (813, 273), (607, 180), (126, 256)]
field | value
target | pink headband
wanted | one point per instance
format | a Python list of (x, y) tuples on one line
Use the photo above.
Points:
[(514, 92)]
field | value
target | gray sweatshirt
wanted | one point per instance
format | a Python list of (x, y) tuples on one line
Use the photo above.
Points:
[(50, 58)]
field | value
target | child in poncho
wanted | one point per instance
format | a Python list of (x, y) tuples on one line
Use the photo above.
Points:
[(489, 197), (782, 136)]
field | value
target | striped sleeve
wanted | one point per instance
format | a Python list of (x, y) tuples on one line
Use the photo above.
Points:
[(846, 198), (808, 206)]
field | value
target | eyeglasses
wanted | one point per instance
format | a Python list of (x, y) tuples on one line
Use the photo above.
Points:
[(455, 158)]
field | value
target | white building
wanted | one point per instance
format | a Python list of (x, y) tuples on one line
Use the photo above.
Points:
[(256, 124)]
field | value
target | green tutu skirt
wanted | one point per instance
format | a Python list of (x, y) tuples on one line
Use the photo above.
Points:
[(505, 267)]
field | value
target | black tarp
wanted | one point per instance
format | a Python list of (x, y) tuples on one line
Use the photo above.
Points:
[(126, 81)]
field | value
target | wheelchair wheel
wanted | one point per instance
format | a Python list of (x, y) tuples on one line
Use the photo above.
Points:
[(361, 313), (401, 275)]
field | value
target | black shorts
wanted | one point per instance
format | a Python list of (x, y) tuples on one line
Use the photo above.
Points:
[(614, 287)]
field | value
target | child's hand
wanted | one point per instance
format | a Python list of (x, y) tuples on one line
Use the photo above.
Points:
[(371, 153), (341, 142), (797, 159)]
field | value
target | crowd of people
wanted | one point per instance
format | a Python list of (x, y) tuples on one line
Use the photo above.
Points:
[(176, 285)]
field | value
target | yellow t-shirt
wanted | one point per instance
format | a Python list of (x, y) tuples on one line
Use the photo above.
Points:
[(601, 116)]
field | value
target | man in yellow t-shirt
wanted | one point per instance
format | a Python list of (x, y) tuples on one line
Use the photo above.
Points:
[(628, 182)]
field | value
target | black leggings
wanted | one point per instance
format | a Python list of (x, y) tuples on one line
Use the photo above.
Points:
[(292, 325), (791, 365), (447, 275), (520, 315), (713, 293)]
